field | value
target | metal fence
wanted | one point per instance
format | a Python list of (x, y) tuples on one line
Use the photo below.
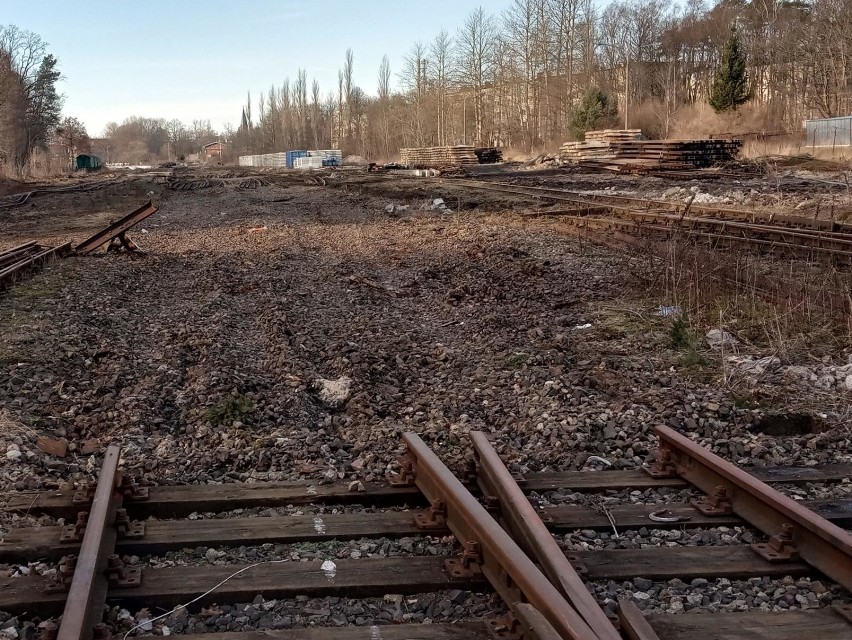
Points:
[(829, 132)]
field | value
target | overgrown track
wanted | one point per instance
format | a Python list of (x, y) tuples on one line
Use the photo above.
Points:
[(799, 542), (83, 187), (719, 227)]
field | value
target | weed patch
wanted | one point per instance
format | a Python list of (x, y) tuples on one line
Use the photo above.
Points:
[(228, 411)]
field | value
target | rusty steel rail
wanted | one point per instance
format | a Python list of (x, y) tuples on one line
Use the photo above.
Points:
[(488, 548), (526, 527), (796, 531), (116, 229), (20, 247), (8, 273), (86, 600)]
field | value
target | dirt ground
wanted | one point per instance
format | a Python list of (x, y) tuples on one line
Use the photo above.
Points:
[(296, 331)]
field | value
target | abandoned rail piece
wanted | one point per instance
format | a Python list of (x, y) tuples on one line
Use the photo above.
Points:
[(117, 230)]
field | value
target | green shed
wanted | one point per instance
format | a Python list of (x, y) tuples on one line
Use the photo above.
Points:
[(88, 162)]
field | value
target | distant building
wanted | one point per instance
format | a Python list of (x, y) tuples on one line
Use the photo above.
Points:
[(213, 152)]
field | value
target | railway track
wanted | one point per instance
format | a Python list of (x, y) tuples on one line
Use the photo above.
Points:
[(719, 227), (19, 260), (504, 544)]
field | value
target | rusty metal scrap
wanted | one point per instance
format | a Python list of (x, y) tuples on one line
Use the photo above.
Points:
[(117, 230)]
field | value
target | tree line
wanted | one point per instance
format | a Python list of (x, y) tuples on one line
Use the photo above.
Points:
[(518, 78), (141, 140)]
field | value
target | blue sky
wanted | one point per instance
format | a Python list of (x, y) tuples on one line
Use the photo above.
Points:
[(193, 59)]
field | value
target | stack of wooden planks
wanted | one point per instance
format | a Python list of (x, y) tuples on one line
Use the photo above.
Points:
[(622, 151), (613, 135), (426, 157)]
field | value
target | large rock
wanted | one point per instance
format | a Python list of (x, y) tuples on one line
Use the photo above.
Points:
[(333, 393)]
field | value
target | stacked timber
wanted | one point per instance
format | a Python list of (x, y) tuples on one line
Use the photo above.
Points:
[(426, 157), (488, 155), (613, 135), (612, 151)]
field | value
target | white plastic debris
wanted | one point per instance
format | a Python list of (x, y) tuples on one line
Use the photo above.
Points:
[(582, 327), (329, 569), (667, 312), (717, 339)]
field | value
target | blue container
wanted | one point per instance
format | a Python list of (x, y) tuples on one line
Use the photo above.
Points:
[(331, 162), (292, 155)]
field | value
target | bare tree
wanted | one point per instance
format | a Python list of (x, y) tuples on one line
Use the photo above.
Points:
[(384, 94), (440, 51), (475, 63), (177, 136)]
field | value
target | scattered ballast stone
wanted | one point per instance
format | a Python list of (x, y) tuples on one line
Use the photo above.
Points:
[(722, 594), (591, 540), (307, 552), (304, 612)]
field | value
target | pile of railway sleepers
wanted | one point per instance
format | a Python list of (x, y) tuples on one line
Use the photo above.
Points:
[(625, 151), (488, 155), (426, 157), (613, 135), (17, 261)]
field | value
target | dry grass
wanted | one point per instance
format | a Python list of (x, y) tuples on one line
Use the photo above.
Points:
[(790, 307), (11, 428)]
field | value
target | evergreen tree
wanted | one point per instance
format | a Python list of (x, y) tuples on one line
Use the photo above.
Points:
[(44, 104), (730, 88), (596, 110)]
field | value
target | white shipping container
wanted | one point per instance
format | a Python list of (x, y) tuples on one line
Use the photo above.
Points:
[(310, 162)]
